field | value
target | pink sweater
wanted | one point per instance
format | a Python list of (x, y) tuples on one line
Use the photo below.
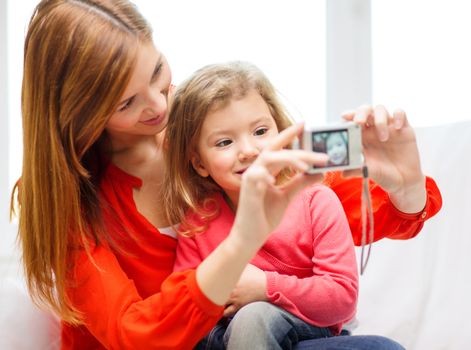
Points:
[(309, 260)]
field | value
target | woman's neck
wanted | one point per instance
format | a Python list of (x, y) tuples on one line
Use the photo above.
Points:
[(134, 153)]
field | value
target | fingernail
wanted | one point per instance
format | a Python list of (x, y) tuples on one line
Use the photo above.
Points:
[(383, 136), (397, 124)]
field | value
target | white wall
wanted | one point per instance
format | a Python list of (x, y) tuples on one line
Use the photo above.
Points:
[(348, 56), (421, 58), (285, 39), (8, 260)]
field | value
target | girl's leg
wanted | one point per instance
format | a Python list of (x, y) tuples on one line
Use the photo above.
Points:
[(261, 325), (354, 342), (214, 340)]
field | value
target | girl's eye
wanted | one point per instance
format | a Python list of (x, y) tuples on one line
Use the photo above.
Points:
[(261, 131), (223, 143), (126, 105)]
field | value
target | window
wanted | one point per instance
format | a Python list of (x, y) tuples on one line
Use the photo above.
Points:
[(285, 39), (421, 58)]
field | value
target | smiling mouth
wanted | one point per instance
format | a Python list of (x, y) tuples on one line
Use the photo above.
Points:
[(240, 172), (152, 121)]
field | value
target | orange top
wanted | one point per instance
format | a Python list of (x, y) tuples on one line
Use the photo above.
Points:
[(132, 300), (388, 221)]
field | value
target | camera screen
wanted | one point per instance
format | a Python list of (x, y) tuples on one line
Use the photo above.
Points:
[(334, 143)]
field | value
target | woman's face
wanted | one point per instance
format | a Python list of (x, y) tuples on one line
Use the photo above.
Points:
[(143, 107)]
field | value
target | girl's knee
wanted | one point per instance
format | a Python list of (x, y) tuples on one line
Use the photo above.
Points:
[(256, 311)]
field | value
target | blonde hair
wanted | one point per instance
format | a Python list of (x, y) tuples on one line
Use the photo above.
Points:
[(78, 59), (208, 89)]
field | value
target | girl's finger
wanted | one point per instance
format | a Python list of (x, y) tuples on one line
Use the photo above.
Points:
[(230, 310), (285, 137), (297, 159)]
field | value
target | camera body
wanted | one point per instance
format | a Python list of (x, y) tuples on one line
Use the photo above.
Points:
[(341, 142)]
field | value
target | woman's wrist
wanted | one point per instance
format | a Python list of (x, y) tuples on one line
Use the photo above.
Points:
[(411, 199)]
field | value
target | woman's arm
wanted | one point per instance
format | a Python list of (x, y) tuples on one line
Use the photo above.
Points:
[(114, 312), (389, 222)]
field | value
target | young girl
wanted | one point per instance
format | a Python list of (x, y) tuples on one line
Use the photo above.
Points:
[(221, 119)]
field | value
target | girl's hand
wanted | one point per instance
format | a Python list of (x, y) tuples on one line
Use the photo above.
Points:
[(251, 287), (392, 156), (262, 203)]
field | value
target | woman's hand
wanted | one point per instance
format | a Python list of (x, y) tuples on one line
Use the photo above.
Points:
[(251, 287), (262, 203), (392, 156)]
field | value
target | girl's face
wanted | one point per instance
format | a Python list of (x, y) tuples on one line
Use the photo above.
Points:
[(142, 109), (336, 149), (231, 139)]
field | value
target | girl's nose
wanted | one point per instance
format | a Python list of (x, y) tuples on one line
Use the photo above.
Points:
[(248, 151)]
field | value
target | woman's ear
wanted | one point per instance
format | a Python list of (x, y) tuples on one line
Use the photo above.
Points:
[(198, 166)]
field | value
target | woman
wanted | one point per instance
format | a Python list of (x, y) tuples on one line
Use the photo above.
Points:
[(92, 232)]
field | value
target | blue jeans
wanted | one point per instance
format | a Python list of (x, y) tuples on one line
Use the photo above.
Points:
[(353, 342), (261, 325)]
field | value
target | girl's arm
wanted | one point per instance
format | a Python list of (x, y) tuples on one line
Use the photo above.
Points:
[(325, 296)]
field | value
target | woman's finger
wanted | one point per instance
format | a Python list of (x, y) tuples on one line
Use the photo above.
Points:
[(362, 115), (381, 118), (348, 115), (399, 119)]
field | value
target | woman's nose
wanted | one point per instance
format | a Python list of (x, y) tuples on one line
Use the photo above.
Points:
[(156, 102)]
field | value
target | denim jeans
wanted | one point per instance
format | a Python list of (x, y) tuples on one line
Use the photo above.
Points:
[(261, 325), (350, 342)]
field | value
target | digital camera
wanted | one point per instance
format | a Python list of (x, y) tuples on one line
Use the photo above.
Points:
[(341, 142)]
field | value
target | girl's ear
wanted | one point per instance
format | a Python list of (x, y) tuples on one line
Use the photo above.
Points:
[(198, 166)]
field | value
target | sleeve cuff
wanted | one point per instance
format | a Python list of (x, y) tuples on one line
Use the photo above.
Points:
[(427, 211)]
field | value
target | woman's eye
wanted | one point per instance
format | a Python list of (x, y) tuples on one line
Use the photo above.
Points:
[(223, 143), (261, 131), (156, 72), (125, 105)]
